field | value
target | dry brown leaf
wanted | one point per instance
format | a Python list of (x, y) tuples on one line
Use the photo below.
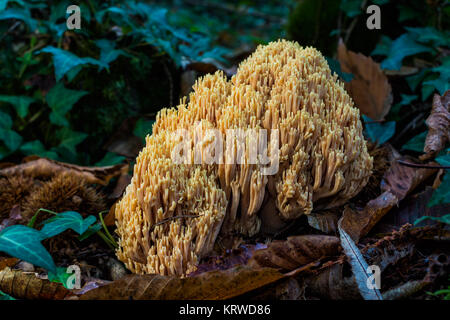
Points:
[(357, 223), (8, 262), (21, 285), (214, 285), (439, 126), (412, 208), (369, 88), (122, 183), (228, 260), (325, 221), (333, 282), (42, 167), (401, 180), (295, 252)]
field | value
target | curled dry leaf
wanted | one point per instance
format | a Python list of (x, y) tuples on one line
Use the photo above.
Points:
[(412, 208), (23, 285), (333, 282), (439, 126), (369, 88), (325, 221), (230, 259), (42, 167), (401, 180), (295, 252), (214, 285), (405, 290), (357, 223)]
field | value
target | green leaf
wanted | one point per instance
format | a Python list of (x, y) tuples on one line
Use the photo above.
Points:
[(70, 139), (379, 132), (108, 53), (383, 47), (442, 194), (64, 61), (91, 230), (19, 14), (444, 159), (417, 143), (402, 47), (4, 296), (430, 35), (443, 219), (110, 159), (143, 128), (25, 243), (441, 83), (61, 101), (64, 221), (20, 103), (414, 80), (61, 276), (352, 8), (36, 147), (5, 120), (335, 66), (10, 138), (407, 99)]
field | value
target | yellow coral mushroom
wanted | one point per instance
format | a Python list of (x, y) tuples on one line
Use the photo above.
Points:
[(172, 212)]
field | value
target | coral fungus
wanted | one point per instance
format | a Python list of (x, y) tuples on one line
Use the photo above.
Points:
[(172, 212)]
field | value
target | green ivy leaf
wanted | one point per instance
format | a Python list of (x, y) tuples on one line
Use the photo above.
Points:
[(143, 127), (10, 138), (64, 221), (379, 132), (443, 219), (417, 143), (414, 80), (108, 53), (444, 159), (352, 8), (442, 193), (61, 276), (5, 120), (64, 61), (442, 83), (70, 139), (402, 47), (5, 297), (335, 66), (20, 103), (36, 147), (61, 101), (19, 14), (91, 230), (430, 35), (25, 243), (383, 47), (110, 159)]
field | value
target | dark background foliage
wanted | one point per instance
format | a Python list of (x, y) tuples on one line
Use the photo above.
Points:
[(80, 96)]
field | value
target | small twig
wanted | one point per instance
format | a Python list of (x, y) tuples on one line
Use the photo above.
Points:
[(418, 165), (173, 218)]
